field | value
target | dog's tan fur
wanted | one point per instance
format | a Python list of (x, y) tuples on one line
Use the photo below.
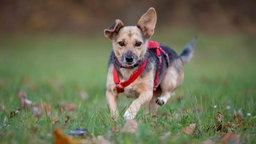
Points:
[(143, 85)]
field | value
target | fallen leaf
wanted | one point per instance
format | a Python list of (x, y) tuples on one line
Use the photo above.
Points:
[(46, 107), (189, 130), (238, 117), (14, 113), (220, 117), (63, 107), (36, 110), (60, 139), (166, 115), (231, 138), (130, 126), (219, 121), (25, 103), (67, 119), (114, 129), (71, 107)]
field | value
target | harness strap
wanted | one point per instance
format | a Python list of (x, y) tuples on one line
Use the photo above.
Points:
[(121, 85), (159, 50), (151, 45)]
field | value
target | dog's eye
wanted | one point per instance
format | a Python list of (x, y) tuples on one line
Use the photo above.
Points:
[(121, 43), (138, 43)]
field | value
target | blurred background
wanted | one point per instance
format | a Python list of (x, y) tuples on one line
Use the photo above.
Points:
[(54, 51), (62, 40), (87, 17)]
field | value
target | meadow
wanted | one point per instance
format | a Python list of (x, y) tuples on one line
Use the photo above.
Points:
[(63, 79)]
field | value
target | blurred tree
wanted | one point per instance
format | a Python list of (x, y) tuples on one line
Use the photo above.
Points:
[(86, 16)]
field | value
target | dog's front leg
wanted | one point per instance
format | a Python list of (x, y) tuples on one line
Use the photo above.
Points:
[(112, 103), (111, 94), (144, 98)]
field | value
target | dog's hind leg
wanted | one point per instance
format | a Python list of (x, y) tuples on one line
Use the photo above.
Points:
[(173, 79), (175, 74), (164, 98), (151, 107)]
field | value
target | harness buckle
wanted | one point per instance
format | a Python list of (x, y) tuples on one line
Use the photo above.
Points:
[(119, 88)]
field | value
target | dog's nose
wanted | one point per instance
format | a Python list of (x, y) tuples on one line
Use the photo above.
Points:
[(129, 58)]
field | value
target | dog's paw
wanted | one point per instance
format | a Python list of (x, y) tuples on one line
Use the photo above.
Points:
[(128, 115), (161, 101)]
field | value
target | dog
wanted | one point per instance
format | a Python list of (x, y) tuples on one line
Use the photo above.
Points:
[(142, 69)]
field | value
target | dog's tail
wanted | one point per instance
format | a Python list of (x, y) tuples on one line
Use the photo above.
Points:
[(188, 50)]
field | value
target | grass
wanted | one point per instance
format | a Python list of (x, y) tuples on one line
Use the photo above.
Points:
[(61, 69)]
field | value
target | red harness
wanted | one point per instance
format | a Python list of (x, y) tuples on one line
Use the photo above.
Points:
[(151, 45)]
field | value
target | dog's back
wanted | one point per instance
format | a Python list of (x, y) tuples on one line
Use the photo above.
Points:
[(174, 59)]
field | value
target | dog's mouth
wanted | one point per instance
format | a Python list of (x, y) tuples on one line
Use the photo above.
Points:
[(130, 64)]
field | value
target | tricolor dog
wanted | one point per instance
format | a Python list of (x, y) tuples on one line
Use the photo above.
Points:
[(140, 68)]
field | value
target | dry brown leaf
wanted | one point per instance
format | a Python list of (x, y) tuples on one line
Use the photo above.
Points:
[(219, 121), (63, 107), (67, 119), (189, 130), (231, 138), (14, 113), (59, 138), (238, 117), (71, 107), (166, 115), (114, 129), (46, 107), (36, 110), (130, 126), (25, 103), (220, 117)]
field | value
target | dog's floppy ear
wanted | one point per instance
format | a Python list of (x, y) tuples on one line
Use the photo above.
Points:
[(147, 22), (113, 29)]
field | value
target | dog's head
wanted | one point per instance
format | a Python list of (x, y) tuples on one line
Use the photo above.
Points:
[(130, 42)]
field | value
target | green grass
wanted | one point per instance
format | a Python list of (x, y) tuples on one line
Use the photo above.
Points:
[(56, 69)]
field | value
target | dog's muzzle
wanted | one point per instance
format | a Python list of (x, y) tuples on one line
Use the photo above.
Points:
[(129, 58)]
